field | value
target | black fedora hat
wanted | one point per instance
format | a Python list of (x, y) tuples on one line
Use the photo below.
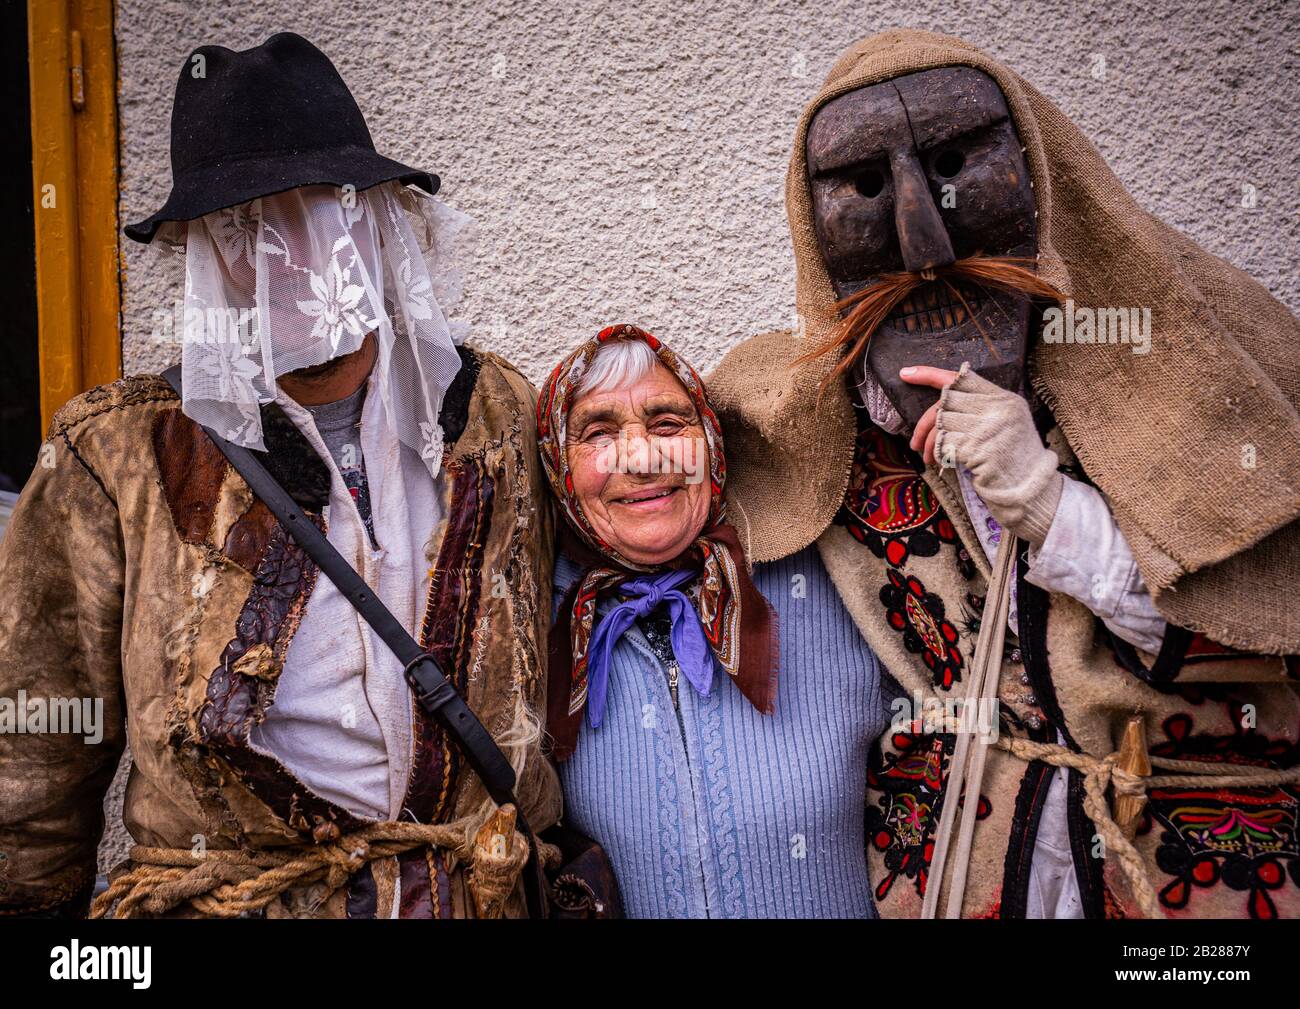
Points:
[(262, 121)]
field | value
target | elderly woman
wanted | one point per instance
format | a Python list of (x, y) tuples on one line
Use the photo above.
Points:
[(719, 788)]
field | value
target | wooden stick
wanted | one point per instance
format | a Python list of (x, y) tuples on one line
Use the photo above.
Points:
[(992, 625), (1133, 757), (987, 670)]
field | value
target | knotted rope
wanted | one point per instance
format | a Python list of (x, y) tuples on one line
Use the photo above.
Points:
[(1100, 774), (225, 883)]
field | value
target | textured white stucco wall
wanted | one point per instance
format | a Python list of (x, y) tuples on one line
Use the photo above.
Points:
[(626, 161)]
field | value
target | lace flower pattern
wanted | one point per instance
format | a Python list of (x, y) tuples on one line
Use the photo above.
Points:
[(296, 279)]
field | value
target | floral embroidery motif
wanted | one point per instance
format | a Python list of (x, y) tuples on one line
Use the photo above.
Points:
[(901, 819), (1245, 838), (919, 616), (888, 505), (431, 445), (235, 375)]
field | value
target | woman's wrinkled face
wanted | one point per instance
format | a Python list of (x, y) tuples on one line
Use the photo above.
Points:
[(640, 466)]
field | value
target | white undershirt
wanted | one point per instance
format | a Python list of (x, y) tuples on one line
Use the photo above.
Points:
[(341, 718)]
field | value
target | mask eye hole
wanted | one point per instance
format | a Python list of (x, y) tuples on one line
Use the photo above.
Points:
[(870, 183), (948, 163)]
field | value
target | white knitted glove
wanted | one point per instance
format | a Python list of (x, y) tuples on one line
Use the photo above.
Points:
[(991, 432)]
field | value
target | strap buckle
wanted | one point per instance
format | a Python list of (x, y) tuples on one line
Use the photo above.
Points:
[(432, 689)]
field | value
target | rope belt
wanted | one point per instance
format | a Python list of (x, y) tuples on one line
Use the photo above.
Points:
[(225, 883), (1098, 775)]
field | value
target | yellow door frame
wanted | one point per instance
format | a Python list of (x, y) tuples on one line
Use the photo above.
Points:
[(73, 73)]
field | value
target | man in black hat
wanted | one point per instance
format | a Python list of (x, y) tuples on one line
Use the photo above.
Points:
[(150, 591)]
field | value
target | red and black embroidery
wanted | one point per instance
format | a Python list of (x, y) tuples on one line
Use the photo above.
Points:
[(901, 820), (888, 505), (919, 616), (1245, 838), (900, 823)]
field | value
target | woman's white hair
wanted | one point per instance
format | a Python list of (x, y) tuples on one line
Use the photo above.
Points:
[(617, 364)]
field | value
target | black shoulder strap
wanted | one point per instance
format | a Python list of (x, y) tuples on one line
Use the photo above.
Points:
[(433, 690)]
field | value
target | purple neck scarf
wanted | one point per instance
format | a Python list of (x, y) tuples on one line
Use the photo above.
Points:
[(641, 597)]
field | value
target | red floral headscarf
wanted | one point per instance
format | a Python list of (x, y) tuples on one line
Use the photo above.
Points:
[(739, 625)]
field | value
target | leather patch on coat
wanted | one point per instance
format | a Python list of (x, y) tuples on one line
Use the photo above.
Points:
[(417, 884), (242, 685), (250, 535), (191, 468), (450, 618), (363, 893)]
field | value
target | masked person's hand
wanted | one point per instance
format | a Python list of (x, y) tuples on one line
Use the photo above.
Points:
[(989, 431)]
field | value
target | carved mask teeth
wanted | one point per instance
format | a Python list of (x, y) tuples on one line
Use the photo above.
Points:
[(935, 307)]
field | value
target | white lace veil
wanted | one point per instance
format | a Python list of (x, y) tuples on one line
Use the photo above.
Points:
[(299, 278)]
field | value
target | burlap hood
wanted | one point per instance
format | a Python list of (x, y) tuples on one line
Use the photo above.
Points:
[(1196, 443)]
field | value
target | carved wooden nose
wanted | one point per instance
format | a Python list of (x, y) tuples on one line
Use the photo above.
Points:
[(922, 237)]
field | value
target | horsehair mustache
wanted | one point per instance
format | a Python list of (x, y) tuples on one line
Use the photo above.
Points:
[(865, 310)]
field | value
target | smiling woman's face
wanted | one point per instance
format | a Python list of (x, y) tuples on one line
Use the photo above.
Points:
[(640, 467)]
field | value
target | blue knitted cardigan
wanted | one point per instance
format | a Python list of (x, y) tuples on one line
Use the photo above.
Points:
[(709, 809)]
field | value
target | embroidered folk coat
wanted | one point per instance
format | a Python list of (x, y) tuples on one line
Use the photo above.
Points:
[(1215, 542)]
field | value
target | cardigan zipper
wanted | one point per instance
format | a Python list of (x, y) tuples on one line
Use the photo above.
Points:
[(674, 670), (672, 674)]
